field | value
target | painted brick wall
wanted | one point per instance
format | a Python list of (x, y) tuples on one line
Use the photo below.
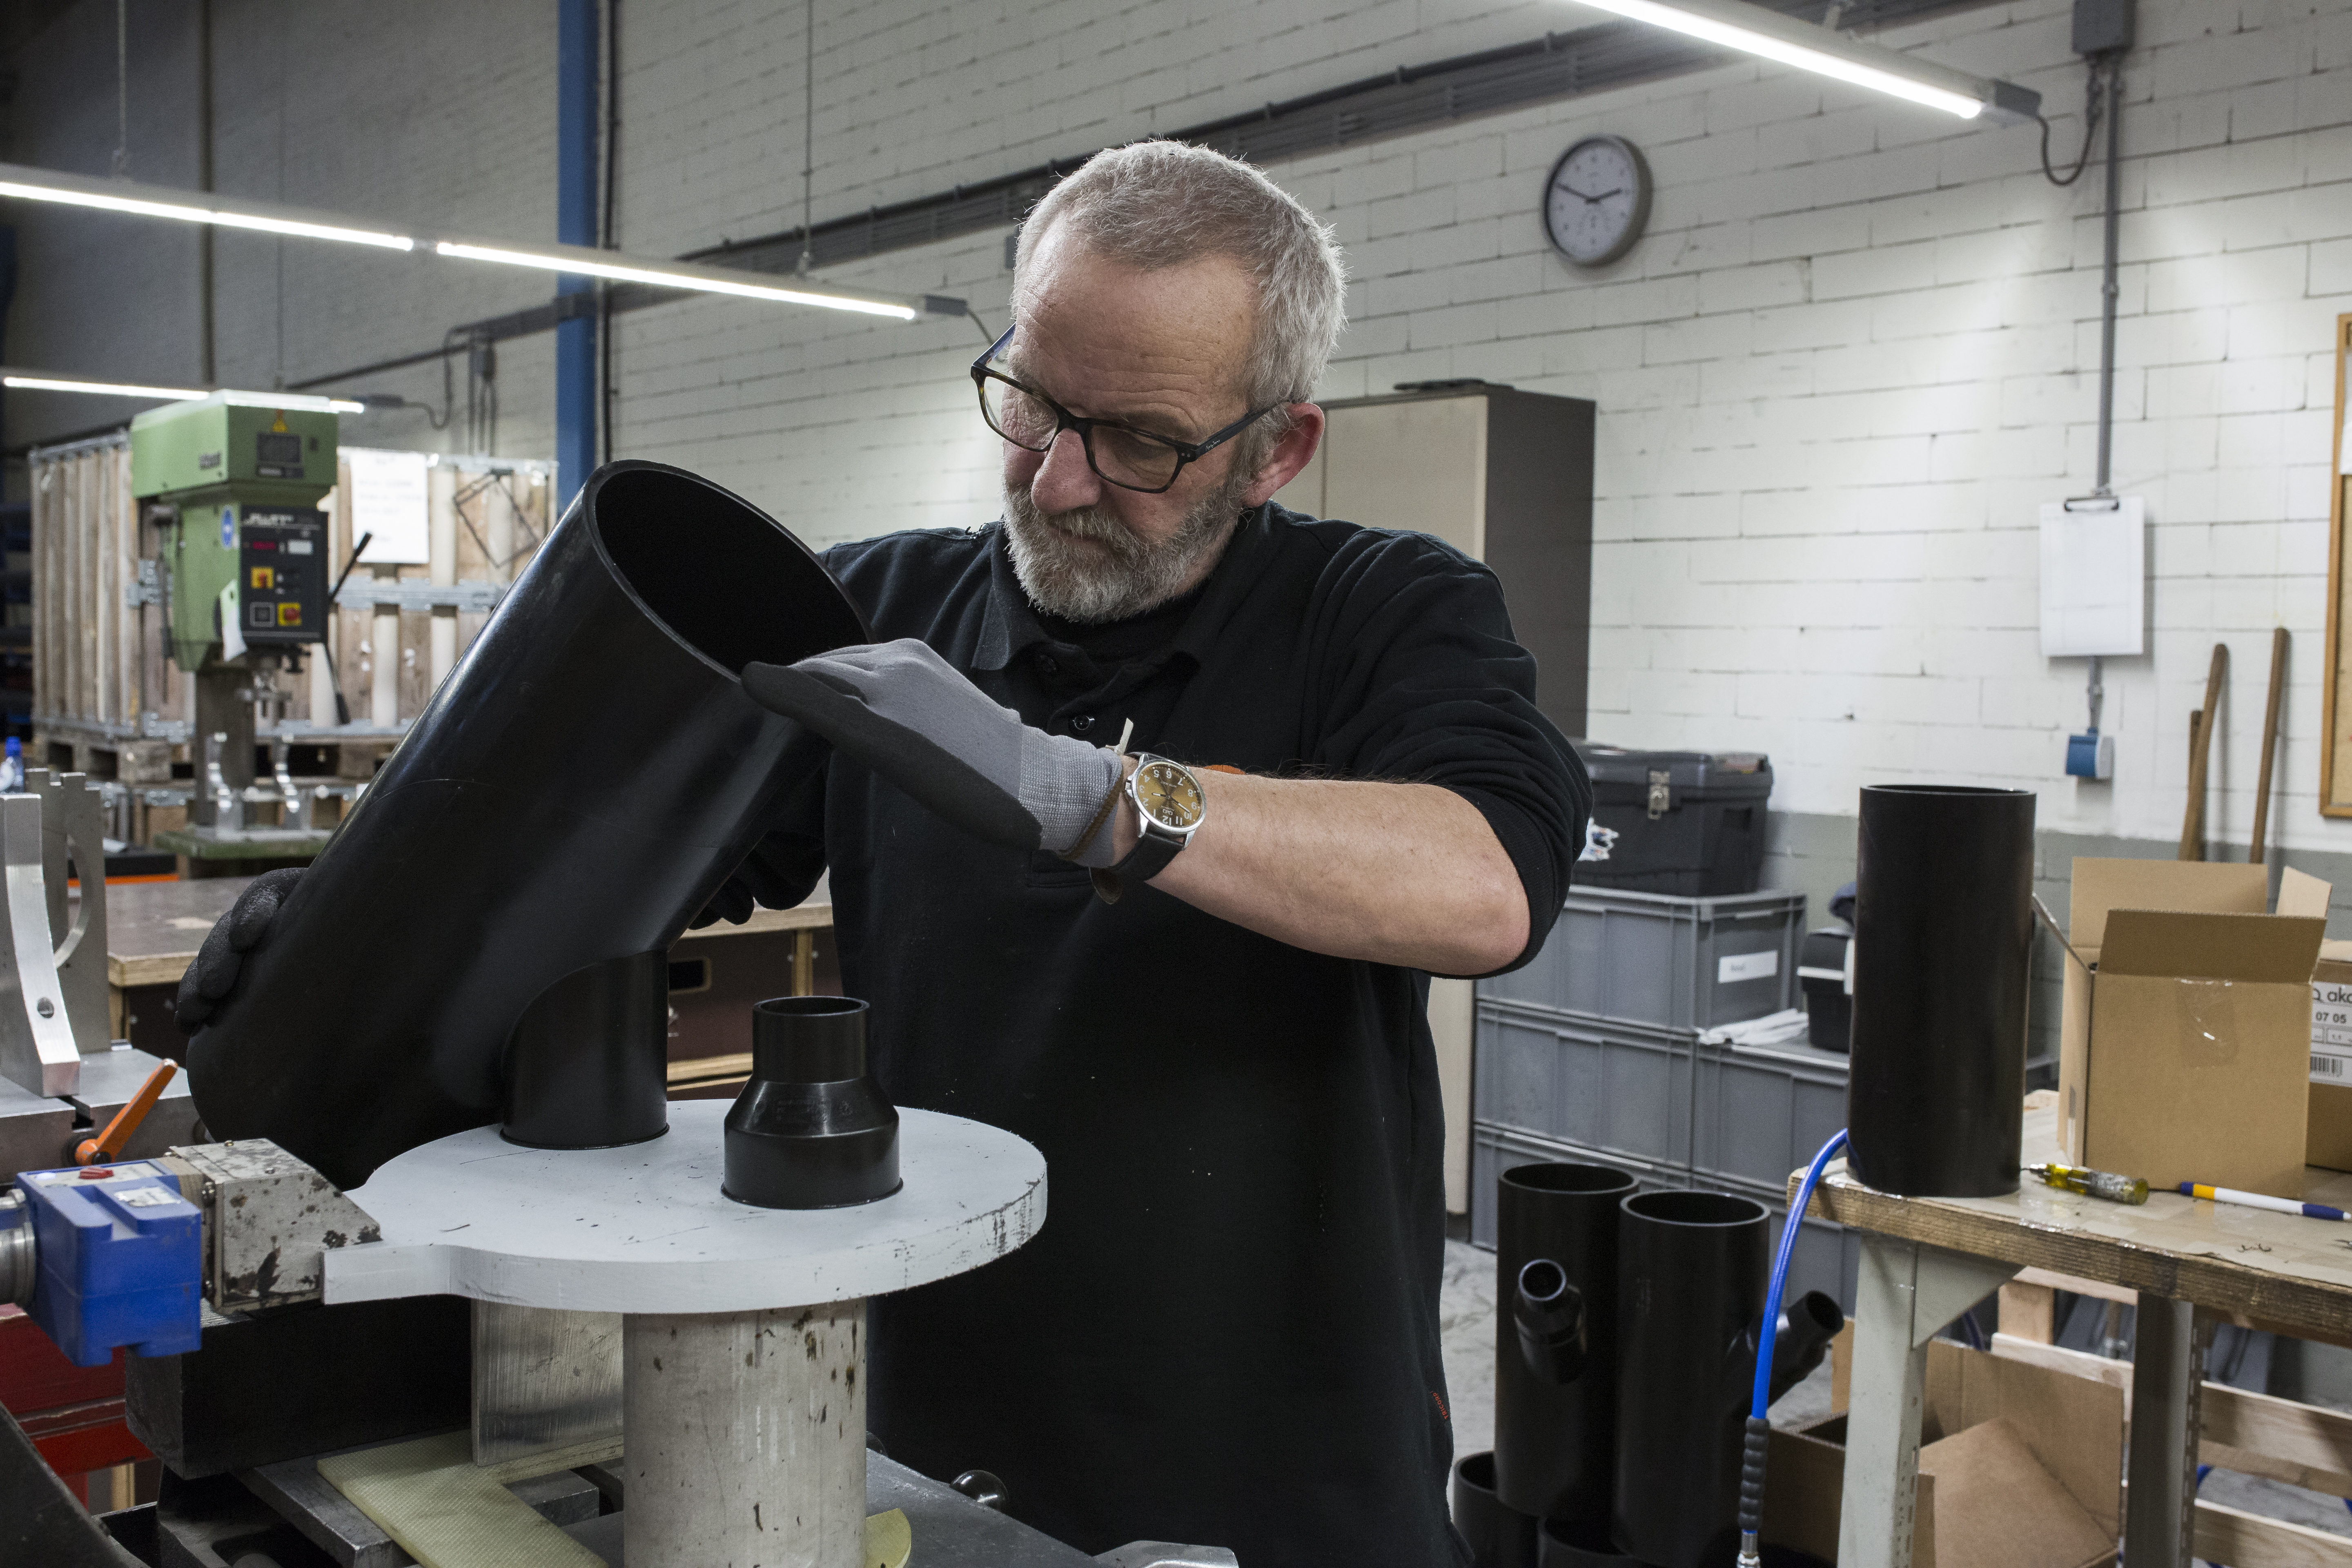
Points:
[(1857, 351)]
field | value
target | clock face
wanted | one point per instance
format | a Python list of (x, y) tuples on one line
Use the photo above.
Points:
[(1598, 200), (1168, 794)]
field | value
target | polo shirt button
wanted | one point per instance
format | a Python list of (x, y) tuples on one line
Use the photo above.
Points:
[(1082, 723), (1046, 662)]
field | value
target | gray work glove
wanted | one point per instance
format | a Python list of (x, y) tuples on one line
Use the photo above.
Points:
[(903, 711), (204, 988)]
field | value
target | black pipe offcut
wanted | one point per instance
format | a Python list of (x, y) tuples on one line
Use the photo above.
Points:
[(1499, 1536), (1803, 1339), (1943, 942), (1555, 1434), (575, 791), (1690, 1306)]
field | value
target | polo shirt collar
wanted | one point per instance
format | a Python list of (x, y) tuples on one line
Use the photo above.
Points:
[(1008, 626)]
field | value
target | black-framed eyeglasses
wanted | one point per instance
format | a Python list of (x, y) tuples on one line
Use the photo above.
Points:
[(1119, 453)]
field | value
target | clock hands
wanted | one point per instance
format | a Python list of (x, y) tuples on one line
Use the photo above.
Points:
[(1603, 196)]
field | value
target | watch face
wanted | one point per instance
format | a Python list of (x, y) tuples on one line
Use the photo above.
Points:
[(1597, 201), (1168, 794)]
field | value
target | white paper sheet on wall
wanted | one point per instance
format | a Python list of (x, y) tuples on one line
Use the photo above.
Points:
[(388, 499), (2093, 577)]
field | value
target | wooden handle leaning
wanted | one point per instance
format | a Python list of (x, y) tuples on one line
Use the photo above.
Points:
[(2192, 821)]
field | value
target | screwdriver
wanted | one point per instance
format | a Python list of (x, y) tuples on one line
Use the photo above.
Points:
[(2092, 1184)]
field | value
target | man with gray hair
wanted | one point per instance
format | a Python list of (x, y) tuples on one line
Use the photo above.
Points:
[(1148, 822)]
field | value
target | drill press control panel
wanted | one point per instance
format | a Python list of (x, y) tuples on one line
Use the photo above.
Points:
[(282, 572)]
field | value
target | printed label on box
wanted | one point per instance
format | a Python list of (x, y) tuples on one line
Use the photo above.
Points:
[(2331, 1033), (1739, 966)]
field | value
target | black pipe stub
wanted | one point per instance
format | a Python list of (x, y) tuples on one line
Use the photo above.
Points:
[(811, 1130), (1579, 1544), (1499, 1536)]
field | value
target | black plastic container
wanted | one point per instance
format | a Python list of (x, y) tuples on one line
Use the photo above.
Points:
[(811, 1129), (1691, 1301), (1943, 941), (1687, 823), (575, 791), (1555, 1435), (1821, 972), (1499, 1536)]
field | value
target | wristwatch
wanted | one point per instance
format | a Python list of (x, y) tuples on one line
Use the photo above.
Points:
[(1170, 803)]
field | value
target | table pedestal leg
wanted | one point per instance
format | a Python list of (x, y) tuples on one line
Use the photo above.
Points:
[(1903, 1297), (744, 1438), (2168, 1369)]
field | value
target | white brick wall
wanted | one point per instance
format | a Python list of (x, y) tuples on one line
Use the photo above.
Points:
[(1857, 351)]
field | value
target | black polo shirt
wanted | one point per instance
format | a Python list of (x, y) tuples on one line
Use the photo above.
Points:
[(1227, 1332)]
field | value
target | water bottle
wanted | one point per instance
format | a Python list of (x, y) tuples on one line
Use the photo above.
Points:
[(11, 768)]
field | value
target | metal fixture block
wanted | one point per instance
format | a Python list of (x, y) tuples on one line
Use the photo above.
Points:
[(545, 1380), (270, 1222), (73, 844)]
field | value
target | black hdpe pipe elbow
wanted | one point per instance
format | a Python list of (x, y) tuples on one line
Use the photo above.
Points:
[(573, 793), (1555, 1440), (1547, 1315), (1943, 942), (1802, 1338), (811, 1129)]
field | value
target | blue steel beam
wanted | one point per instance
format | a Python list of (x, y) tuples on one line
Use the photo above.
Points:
[(575, 224)]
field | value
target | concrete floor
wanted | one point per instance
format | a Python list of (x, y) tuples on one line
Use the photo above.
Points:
[(1466, 1320)]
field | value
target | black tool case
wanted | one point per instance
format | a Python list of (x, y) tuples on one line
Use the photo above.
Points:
[(1687, 823)]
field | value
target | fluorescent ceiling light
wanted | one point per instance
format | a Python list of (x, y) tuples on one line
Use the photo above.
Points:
[(32, 381), (1757, 31), (197, 207), (672, 275)]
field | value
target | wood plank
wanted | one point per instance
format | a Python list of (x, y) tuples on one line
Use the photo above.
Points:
[(2028, 1311), (2079, 1285), (2249, 1541), (2299, 1438), (2077, 1364), (702, 1071)]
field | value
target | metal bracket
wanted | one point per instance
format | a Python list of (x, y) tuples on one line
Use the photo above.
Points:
[(37, 1040), (73, 832), (408, 594)]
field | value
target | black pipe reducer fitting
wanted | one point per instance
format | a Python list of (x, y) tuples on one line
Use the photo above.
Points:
[(811, 1129)]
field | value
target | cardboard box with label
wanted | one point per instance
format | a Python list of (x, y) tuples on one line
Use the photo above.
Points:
[(2187, 1051), (2020, 1466)]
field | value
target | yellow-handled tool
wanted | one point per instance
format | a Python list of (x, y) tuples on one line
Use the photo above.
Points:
[(2092, 1184)]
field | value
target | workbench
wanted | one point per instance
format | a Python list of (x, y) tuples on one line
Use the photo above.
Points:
[(2190, 1264), (154, 928)]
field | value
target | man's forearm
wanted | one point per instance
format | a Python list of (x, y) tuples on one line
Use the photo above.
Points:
[(1396, 873)]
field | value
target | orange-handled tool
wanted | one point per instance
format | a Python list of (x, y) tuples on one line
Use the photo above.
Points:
[(107, 1144)]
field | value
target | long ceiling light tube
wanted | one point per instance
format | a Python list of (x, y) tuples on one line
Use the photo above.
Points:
[(198, 207), (43, 381), (1754, 30)]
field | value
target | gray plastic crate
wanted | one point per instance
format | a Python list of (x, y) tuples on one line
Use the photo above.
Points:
[(1677, 964), (1599, 1083), (1766, 1110), (1828, 1256)]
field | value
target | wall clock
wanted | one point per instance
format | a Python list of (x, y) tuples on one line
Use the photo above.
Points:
[(1598, 200)]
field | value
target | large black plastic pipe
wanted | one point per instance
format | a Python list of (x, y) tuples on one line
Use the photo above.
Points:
[(1554, 1438), (1690, 1305), (575, 791), (1943, 939), (1499, 1536)]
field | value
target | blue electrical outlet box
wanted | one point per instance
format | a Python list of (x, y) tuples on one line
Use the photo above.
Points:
[(2091, 756), (121, 1258)]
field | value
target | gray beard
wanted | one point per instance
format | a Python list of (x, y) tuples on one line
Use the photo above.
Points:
[(1087, 567)]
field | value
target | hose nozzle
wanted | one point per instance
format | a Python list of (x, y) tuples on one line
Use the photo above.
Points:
[(1749, 1556)]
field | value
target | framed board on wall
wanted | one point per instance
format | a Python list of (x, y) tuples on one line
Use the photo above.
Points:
[(2336, 757)]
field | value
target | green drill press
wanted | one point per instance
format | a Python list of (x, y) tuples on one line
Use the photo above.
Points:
[(245, 549)]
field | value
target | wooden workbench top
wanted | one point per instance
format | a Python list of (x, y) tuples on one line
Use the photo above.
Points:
[(2273, 1270), (153, 929)]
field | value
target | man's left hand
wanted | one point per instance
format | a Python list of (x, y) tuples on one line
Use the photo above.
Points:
[(900, 709)]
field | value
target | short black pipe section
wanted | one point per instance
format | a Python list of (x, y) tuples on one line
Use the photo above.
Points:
[(1547, 1315), (587, 1066), (1943, 940), (1555, 1440), (811, 1129), (1803, 1339), (1690, 1304), (1499, 1536), (575, 791)]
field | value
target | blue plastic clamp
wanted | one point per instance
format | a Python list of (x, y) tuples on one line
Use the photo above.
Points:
[(120, 1260)]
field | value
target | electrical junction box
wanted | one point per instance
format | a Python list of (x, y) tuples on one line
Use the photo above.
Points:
[(120, 1260), (2102, 26), (245, 473), (2091, 756)]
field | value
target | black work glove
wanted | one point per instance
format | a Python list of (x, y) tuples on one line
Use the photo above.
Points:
[(209, 980), (779, 873)]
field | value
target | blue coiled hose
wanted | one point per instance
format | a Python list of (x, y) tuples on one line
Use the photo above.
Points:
[(1760, 1429)]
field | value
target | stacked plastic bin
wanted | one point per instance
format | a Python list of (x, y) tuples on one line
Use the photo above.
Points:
[(1592, 1054)]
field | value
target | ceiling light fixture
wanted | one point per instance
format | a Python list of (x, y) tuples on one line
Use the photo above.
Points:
[(1757, 31), (194, 206), (37, 381)]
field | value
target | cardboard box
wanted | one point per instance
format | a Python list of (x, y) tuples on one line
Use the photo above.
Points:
[(2329, 1137), (2020, 1466), (2186, 1054)]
